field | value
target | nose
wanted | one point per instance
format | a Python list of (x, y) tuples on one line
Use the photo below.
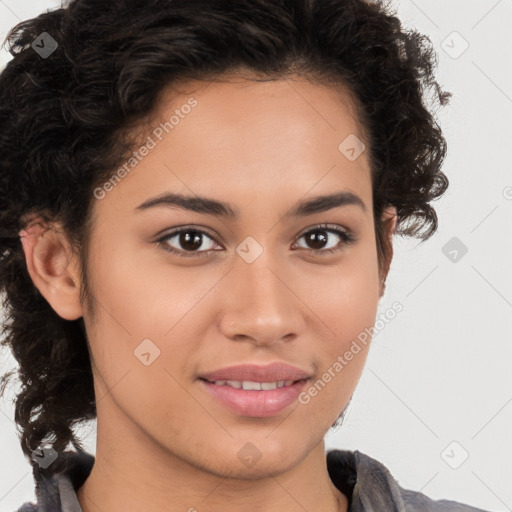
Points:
[(262, 302)]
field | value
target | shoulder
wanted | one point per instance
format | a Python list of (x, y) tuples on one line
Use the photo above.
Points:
[(55, 490), (371, 486), (418, 502), (27, 507)]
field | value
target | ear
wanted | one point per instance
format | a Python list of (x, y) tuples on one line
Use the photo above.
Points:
[(53, 267), (389, 219)]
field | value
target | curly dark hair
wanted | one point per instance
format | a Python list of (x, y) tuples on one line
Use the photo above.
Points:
[(64, 123)]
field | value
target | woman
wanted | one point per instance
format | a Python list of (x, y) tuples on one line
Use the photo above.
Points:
[(199, 200)]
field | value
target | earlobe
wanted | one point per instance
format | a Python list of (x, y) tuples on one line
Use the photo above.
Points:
[(53, 268), (389, 219)]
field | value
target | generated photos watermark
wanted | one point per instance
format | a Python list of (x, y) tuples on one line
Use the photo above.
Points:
[(344, 359), (151, 142)]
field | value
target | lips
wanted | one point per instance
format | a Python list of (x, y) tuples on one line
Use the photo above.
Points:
[(255, 391), (274, 372)]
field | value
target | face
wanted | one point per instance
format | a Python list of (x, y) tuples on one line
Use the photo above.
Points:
[(257, 282)]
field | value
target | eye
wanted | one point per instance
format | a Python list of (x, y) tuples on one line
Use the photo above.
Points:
[(190, 239), (319, 236)]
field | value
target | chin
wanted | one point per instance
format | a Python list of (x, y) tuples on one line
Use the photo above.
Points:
[(250, 461), (271, 467)]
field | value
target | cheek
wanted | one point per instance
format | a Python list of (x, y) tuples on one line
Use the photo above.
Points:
[(139, 299), (139, 291), (347, 308), (136, 362), (348, 296)]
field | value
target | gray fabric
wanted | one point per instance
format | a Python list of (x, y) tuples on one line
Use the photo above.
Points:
[(376, 490), (366, 481), (68, 499)]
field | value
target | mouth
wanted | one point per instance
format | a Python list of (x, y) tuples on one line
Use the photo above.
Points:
[(254, 390), (250, 385)]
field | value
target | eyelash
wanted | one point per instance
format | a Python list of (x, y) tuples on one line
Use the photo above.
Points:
[(347, 239)]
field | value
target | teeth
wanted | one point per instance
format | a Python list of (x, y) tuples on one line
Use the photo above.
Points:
[(247, 384), (254, 386)]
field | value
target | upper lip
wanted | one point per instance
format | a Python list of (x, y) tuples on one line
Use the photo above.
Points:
[(257, 373)]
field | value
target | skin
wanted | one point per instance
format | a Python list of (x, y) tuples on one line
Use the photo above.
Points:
[(162, 442)]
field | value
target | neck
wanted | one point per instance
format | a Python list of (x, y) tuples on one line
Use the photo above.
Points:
[(133, 472)]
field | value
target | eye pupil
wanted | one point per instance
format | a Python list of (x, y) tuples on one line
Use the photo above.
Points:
[(316, 236), (190, 242)]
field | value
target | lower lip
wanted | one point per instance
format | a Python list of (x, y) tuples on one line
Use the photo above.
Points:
[(255, 403)]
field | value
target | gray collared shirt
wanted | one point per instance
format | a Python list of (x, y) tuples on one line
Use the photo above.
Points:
[(365, 481)]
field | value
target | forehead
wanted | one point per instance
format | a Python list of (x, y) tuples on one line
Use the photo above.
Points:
[(237, 138), (241, 105)]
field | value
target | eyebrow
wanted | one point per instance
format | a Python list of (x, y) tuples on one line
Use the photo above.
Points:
[(209, 206)]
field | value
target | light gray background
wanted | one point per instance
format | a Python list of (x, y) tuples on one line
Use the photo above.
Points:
[(440, 371)]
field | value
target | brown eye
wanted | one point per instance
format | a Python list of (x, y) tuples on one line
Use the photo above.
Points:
[(187, 240), (320, 237)]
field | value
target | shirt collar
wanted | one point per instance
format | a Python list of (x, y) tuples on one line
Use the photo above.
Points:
[(366, 481)]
